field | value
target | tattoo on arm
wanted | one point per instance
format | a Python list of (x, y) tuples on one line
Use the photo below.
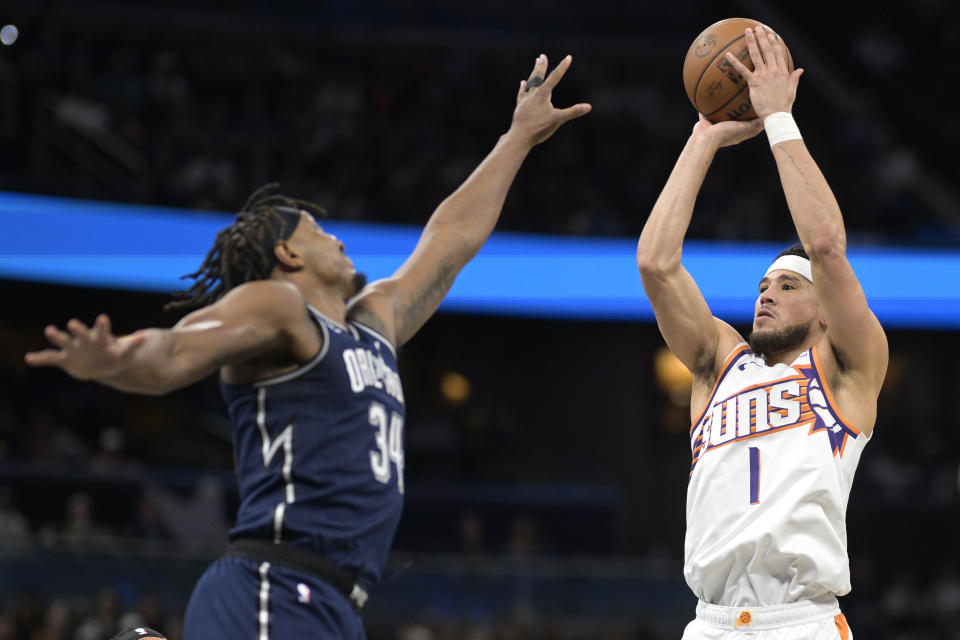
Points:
[(424, 302)]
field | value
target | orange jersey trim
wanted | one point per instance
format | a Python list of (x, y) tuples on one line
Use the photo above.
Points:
[(815, 357), (842, 627)]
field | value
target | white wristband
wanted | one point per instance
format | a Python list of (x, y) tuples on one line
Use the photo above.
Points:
[(781, 127)]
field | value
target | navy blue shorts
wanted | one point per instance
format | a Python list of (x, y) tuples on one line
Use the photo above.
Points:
[(242, 599)]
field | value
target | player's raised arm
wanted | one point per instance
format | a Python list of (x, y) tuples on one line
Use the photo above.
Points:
[(248, 321), (855, 334), (698, 339), (464, 220)]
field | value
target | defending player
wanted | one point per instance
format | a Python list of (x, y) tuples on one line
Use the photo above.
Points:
[(308, 370), (778, 424)]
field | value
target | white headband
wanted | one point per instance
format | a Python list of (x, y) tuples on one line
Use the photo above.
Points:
[(796, 264)]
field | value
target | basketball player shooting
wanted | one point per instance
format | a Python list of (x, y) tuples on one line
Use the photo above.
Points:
[(779, 421), (308, 369)]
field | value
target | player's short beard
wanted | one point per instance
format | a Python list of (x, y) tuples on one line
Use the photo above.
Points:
[(769, 341)]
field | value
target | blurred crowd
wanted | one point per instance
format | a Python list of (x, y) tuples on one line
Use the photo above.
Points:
[(97, 616), (378, 111)]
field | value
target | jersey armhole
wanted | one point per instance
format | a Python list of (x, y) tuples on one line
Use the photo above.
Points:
[(376, 334), (735, 353), (815, 359)]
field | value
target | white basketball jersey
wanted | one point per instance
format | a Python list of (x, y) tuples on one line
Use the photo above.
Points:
[(773, 462)]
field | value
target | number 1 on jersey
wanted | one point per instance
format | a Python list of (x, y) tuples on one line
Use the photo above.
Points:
[(754, 475)]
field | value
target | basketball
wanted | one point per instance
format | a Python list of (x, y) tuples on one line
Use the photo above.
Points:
[(714, 87)]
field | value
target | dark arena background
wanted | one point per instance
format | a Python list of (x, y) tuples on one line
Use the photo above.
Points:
[(546, 454)]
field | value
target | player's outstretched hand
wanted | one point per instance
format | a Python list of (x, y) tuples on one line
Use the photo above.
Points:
[(535, 116), (86, 353), (772, 87)]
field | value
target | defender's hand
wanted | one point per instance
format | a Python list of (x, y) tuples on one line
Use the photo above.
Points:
[(535, 118), (86, 353)]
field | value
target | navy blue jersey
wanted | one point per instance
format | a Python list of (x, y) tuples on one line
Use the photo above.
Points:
[(319, 451)]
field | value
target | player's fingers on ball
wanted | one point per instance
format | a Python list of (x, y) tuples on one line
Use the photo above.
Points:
[(739, 66), (752, 49), (766, 42), (763, 46), (759, 35), (762, 43), (776, 49), (558, 72)]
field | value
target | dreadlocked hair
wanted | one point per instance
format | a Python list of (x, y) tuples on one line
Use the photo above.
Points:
[(243, 251)]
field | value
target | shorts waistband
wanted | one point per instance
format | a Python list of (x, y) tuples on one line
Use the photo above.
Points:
[(303, 560), (754, 618)]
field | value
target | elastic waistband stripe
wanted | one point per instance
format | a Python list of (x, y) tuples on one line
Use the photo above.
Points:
[(754, 618)]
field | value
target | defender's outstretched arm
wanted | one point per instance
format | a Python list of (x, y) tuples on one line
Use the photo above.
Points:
[(462, 223)]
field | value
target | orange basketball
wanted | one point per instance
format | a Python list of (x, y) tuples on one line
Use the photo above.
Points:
[(714, 87)]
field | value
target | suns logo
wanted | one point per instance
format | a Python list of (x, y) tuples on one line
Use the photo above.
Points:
[(795, 401)]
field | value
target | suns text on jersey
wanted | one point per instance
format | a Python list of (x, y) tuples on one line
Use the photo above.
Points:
[(754, 411), (768, 408)]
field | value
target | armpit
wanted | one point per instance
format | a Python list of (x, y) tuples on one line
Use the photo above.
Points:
[(841, 358), (705, 367), (368, 318)]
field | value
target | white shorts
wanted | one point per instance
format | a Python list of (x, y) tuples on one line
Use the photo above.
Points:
[(805, 620)]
